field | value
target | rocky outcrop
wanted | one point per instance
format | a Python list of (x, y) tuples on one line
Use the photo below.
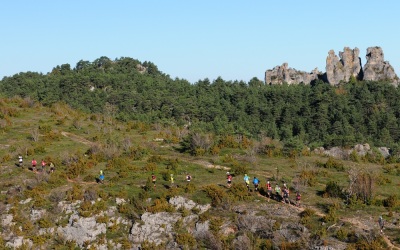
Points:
[(359, 149), (284, 74), (343, 67), (338, 69), (81, 229), (377, 69), (179, 202)]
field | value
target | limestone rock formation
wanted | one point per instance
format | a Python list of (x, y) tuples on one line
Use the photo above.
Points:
[(339, 69), (82, 229), (376, 68), (284, 74), (343, 67)]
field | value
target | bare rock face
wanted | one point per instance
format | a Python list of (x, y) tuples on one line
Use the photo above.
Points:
[(343, 67), (284, 74), (82, 229), (377, 69)]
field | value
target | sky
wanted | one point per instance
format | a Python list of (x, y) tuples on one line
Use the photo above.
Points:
[(195, 40)]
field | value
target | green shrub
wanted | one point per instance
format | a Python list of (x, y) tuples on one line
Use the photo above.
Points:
[(308, 177), (239, 169), (216, 194), (332, 189), (239, 192), (390, 201), (341, 234), (185, 240), (45, 223), (190, 188)]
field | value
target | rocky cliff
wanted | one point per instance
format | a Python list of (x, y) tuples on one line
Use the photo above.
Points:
[(339, 69), (281, 74)]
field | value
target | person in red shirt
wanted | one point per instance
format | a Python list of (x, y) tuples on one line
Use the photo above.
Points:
[(34, 163), (269, 190), (229, 179), (43, 164)]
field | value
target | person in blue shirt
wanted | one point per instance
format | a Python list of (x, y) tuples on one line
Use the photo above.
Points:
[(255, 183)]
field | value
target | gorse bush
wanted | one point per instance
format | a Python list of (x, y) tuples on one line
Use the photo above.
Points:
[(216, 194)]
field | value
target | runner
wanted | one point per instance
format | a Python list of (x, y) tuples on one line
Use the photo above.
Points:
[(229, 179), (188, 178), (298, 199), (381, 223), (34, 163), (269, 190), (153, 179), (52, 168), (171, 179), (285, 192), (278, 193), (20, 160), (101, 177), (255, 183), (247, 181), (43, 165)]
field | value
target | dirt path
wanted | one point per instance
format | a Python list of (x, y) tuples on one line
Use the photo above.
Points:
[(81, 182), (354, 221), (77, 138), (208, 165)]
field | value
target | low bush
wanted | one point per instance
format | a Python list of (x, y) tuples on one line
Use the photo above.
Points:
[(333, 190)]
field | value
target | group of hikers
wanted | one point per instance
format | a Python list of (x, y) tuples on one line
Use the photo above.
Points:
[(280, 194), (188, 178), (34, 164)]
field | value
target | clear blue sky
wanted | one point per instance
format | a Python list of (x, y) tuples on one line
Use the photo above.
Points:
[(194, 40)]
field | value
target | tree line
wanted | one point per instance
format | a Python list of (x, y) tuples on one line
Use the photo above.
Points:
[(315, 115)]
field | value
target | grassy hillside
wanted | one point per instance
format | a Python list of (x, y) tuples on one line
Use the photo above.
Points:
[(80, 145)]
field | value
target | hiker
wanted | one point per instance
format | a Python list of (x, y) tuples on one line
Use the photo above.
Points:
[(188, 178), (246, 179), (381, 223), (171, 179), (20, 160), (34, 163), (101, 177), (278, 192), (43, 165), (285, 191), (298, 199), (52, 168), (153, 179), (229, 179), (255, 183), (269, 190)]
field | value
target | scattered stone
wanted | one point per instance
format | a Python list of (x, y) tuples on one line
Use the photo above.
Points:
[(37, 214), (6, 220)]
